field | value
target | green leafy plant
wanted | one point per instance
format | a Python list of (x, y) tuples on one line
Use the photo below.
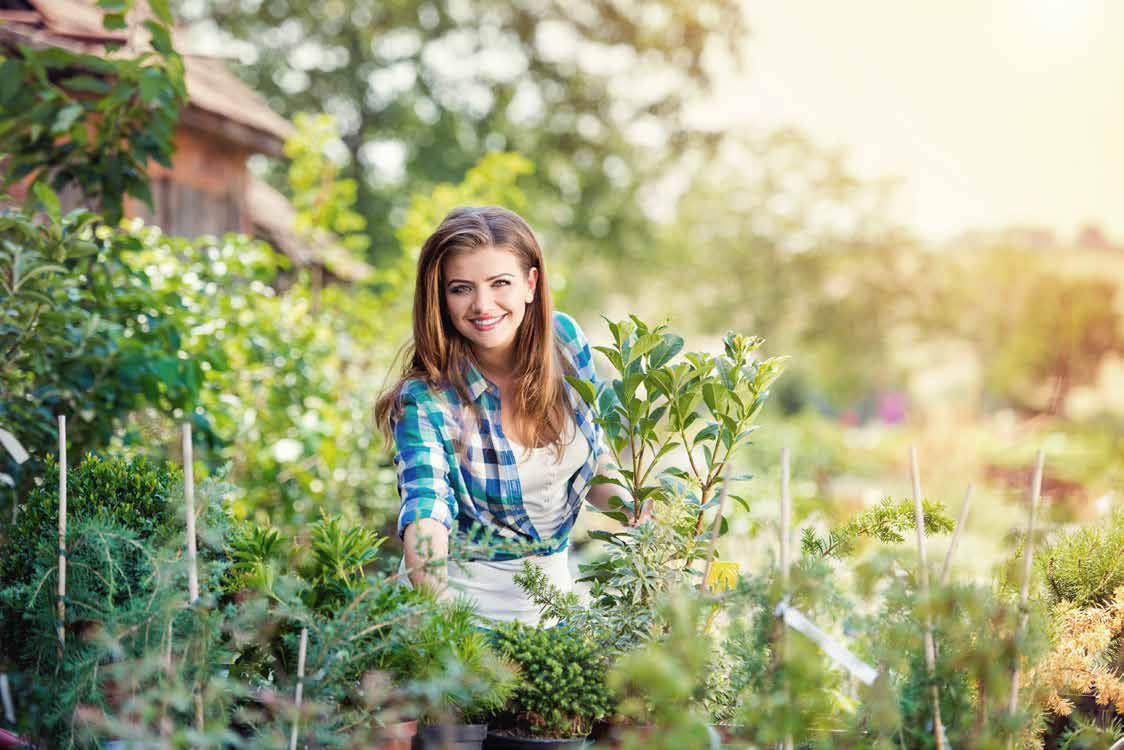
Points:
[(887, 522), (85, 335), (91, 120), (1083, 566), (662, 686), (562, 687)]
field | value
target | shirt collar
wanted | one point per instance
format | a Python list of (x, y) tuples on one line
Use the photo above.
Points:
[(475, 380)]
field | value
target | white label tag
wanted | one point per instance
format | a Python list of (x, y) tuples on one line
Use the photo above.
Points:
[(839, 653)]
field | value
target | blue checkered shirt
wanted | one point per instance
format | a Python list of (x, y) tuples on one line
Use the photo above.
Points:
[(482, 491)]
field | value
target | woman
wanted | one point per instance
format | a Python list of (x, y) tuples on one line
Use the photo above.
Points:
[(487, 432)]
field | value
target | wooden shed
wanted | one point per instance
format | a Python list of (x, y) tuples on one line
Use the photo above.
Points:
[(209, 189)]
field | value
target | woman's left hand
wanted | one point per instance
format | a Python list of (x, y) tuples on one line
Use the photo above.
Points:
[(645, 513)]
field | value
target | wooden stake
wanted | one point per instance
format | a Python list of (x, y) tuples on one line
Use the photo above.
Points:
[(715, 529), (189, 496), (62, 537), (786, 534), (923, 576), (6, 699), (1024, 590), (300, 686), (946, 569)]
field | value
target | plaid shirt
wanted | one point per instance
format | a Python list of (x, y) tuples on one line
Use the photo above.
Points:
[(483, 490)]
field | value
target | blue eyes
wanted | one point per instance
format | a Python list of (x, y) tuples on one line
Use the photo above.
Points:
[(462, 288)]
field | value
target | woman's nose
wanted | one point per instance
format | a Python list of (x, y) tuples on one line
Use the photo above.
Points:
[(482, 300)]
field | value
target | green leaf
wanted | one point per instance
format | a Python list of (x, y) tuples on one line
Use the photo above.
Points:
[(616, 515), (161, 39), (49, 200), (151, 83), (604, 536), (643, 345), (584, 388), (668, 348), (710, 396), (66, 117), (160, 8), (114, 22), (86, 83)]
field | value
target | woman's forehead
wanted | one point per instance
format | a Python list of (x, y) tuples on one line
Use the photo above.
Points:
[(481, 263)]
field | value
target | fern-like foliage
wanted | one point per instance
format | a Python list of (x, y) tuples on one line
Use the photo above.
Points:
[(1084, 566), (886, 522)]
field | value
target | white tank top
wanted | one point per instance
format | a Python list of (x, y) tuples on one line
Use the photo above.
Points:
[(490, 583)]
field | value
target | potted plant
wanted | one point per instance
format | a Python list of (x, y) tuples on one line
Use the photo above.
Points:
[(456, 677), (561, 690)]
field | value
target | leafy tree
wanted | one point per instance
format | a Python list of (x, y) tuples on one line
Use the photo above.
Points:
[(594, 91), (82, 334), (1050, 329), (781, 239), (92, 121)]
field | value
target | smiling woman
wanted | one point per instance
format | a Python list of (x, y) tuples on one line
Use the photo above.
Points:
[(486, 430)]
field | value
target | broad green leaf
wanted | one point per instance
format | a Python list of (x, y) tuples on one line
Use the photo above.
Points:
[(584, 388), (49, 200)]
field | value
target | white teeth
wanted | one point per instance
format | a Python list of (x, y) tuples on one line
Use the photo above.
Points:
[(486, 322)]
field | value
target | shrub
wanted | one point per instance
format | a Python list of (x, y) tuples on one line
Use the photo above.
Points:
[(132, 495), (562, 687), (1083, 566)]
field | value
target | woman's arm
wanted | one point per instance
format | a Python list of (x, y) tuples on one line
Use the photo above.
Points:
[(427, 549)]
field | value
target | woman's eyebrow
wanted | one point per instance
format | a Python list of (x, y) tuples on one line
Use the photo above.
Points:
[(490, 278)]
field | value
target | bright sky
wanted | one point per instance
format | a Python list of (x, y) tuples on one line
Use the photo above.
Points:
[(994, 112)]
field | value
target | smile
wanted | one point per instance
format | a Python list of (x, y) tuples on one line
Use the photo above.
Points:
[(487, 324)]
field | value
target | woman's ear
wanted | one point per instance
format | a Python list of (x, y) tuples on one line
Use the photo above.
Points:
[(532, 282)]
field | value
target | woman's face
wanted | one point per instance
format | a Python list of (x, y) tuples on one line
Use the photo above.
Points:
[(486, 294)]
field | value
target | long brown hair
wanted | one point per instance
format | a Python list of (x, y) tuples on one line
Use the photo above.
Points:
[(438, 351)]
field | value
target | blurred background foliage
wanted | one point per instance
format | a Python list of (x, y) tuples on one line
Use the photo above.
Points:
[(575, 115)]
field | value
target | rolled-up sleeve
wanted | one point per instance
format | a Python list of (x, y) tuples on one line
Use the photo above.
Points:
[(583, 360), (422, 467)]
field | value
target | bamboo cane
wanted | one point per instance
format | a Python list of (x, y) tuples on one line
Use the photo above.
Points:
[(6, 698), (946, 569), (717, 526), (189, 497), (301, 652), (1024, 590), (923, 576), (61, 607), (786, 533)]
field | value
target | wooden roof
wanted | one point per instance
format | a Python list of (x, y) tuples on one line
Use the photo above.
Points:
[(219, 102), (273, 217)]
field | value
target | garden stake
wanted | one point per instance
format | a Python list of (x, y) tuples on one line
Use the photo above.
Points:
[(947, 568), (1024, 590), (6, 697), (300, 686), (62, 536), (715, 529), (192, 571), (923, 575), (189, 496), (786, 523)]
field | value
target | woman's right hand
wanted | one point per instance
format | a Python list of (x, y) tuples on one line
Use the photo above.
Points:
[(427, 550)]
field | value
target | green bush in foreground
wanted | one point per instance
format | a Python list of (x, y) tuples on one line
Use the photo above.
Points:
[(562, 690)]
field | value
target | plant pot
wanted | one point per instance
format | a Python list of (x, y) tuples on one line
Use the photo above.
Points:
[(608, 733), (9, 740), (508, 742), (398, 736), (451, 737)]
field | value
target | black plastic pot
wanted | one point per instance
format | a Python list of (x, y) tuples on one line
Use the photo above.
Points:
[(450, 737), (507, 742)]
